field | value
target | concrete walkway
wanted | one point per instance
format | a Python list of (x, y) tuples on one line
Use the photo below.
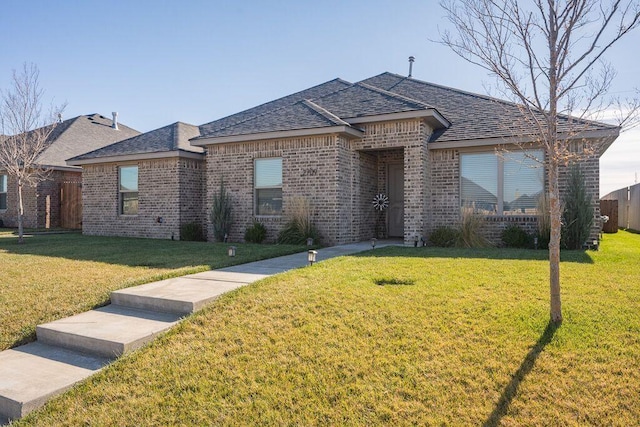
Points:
[(69, 350)]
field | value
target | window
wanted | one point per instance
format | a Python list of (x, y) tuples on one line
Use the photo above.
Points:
[(506, 184), (268, 185), (128, 190), (3, 191)]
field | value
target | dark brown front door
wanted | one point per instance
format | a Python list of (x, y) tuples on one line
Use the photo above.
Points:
[(395, 186)]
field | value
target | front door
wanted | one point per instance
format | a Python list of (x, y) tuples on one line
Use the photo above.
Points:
[(395, 187)]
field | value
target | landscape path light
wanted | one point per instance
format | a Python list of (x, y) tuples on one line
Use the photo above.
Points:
[(311, 257)]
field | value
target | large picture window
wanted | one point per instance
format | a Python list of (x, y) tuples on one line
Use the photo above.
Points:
[(3, 192), (268, 186), (502, 184), (128, 186)]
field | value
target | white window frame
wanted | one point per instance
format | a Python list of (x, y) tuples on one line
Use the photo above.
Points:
[(500, 179), (4, 179), (257, 188), (122, 193)]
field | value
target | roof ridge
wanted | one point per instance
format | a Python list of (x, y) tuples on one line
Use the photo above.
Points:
[(452, 89), (394, 95), (324, 112), (485, 97), (235, 123), (284, 106)]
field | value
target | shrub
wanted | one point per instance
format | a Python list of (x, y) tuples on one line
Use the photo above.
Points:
[(444, 237), (299, 226), (255, 233), (470, 235), (515, 237), (191, 231), (577, 217), (221, 211)]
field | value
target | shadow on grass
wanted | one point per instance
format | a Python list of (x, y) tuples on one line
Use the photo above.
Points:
[(525, 368), (485, 253), (136, 252)]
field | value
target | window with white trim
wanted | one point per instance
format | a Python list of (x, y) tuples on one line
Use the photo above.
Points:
[(508, 183), (3, 192), (268, 186), (128, 188)]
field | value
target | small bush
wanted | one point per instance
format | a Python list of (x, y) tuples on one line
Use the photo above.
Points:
[(515, 237), (256, 233), (299, 227), (191, 231), (444, 237), (577, 217), (221, 213), (470, 235)]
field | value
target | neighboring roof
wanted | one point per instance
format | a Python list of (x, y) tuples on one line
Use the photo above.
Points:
[(457, 115), (168, 139), (79, 135)]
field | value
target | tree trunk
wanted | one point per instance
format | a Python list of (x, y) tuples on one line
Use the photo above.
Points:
[(20, 213), (554, 191), (554, 244)]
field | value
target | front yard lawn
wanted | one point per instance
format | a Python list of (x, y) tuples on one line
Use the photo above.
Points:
[(397, 336), (54, 276)]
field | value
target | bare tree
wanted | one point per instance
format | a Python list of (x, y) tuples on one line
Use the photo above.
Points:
[(27, 133), (547, 56)]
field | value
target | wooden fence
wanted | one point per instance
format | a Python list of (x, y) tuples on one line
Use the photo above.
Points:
[(628, 199), (71, 205)]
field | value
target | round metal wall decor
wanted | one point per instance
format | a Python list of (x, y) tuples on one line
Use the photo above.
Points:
[(380, 202)]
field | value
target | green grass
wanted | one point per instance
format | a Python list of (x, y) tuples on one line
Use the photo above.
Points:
[(398, 336), (54, 276)]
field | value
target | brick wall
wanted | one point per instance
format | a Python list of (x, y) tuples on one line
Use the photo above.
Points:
[(41, 203), (9, 216), (310, 169), (338, 176), (444, 208), (169, 194), (403, 140), (444, 204)]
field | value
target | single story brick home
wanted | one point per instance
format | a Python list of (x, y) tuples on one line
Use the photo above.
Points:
[(57, 201), (432, 150), (145, 186)]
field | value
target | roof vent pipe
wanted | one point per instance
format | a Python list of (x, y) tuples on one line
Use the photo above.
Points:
[(411, 59), (59, 117), (115, 120)]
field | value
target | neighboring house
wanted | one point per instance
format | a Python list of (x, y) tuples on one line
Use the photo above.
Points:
[(56, 201), (146, 186), (431, 149)]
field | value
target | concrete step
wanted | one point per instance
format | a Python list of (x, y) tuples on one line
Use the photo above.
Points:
[(182, 295), (33, 373), (108, 331)]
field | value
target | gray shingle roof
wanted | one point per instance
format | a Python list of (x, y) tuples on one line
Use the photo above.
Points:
[(165, 139), (472, 116), (79, 135), (244, 116)]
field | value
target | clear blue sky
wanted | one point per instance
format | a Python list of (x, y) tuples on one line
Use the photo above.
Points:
[(157, 62)]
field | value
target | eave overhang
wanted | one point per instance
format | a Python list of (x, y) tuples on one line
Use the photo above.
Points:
[(431, 116), (142, 156), (606, 136), (347, 131)]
